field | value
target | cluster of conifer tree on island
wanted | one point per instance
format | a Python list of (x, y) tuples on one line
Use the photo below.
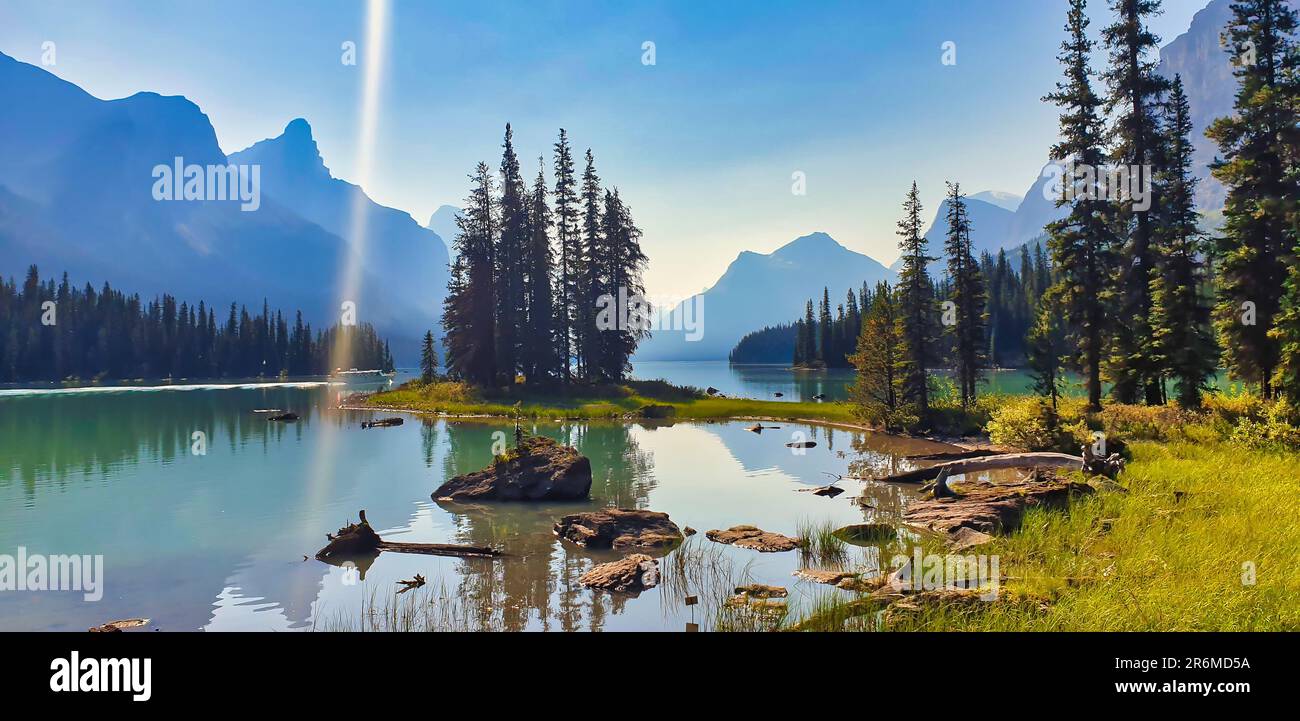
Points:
[(60, 332), (536, 286)]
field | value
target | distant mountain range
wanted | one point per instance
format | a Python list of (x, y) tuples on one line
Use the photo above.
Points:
[(77, 195), (758, 290)]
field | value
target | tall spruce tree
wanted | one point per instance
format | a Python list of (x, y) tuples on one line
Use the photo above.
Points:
[(917, 306), (512, 240), (622, 264), (1082, 244), (592, 283), (428, 359), (469, 312), (568, 290), (539, 345), (810, 334), (1257, 166), (1182, 340), (969, 297), (1135, 99), (825, 326)]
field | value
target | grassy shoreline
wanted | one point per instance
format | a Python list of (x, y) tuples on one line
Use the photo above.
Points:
[(598, 403)]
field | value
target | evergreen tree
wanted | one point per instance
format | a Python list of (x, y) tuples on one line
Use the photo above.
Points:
[(852, 327), (810, 335), (800, 342), (568, 291), (428, 359), (621, 264), (539, 345), (877, 391), (509, 279), (592, 285), (1135, 98), (1258, 244), (1046, 347), (917, 307), (469, 312), (825, 339), (969, 297), (1183, 341), (1082, 243)]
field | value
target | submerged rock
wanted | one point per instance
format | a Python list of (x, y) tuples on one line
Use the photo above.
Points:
[(818, 575), (753, 538), (539, 469), (632, 574), (758, 590), (866, 533), (619, 528)]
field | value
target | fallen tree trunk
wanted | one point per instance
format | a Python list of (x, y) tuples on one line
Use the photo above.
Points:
[(438, 549), (988, 463), (359, 539)]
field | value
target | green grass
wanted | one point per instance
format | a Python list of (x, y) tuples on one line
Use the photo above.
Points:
[(1171, 554), (596, 402), (819, 546)]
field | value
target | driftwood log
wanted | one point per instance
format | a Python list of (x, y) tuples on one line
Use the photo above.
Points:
[(359, 539), (988, 463)]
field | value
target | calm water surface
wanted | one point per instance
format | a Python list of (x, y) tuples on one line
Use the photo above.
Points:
[(216, 541), (765, 381)]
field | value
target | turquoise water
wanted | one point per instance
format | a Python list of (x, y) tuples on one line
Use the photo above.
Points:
[(765, 381), (216, 541)]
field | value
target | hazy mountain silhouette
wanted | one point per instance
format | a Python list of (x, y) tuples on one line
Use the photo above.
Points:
[(443, 222), (76, 195), (1004, 200), (758, 290), (410, 260), (990, 230)]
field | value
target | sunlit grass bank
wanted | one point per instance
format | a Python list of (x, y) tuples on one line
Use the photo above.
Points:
[(596, 402), (1206, 538)]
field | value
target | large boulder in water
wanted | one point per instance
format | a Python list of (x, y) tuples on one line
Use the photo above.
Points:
[(539, 469), (620, 528), (632, 575)]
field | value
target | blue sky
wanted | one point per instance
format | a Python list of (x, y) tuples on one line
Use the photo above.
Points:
[(702, 144)]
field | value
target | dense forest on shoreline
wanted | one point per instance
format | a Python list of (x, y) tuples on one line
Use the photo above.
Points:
[(53, 332), (1015, 282)]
